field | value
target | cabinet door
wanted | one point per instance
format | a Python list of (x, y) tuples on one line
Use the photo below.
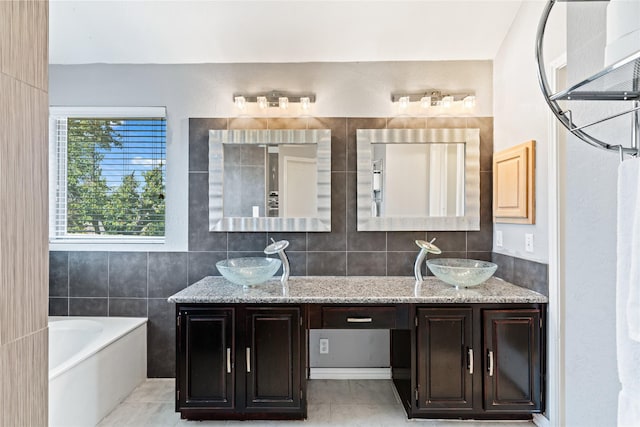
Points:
[(512, 360), (205, 358), (273, 373), (445, 359)]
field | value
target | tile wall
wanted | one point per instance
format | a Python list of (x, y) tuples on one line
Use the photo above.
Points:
[(528, 274), (138, 283), (343, 251), (24, 107)]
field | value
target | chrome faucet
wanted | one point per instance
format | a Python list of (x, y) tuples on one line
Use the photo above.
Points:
[(278, 248), (425, 247)]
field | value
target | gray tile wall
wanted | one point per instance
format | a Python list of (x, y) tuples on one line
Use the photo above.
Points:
[(138, 283), (528, 274), (134, 284), (343, 251)]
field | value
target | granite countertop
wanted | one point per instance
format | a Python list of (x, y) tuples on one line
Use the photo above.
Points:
[(353, 290)]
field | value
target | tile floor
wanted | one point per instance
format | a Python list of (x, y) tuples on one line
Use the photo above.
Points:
[(366, 403)]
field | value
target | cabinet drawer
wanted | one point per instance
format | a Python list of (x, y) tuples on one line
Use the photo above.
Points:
[(359, 317)]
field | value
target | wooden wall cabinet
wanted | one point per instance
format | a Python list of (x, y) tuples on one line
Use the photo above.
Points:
[(240, 362), (514, 184)]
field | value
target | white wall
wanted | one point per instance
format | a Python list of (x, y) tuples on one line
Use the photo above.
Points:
[(591, 383), (342, 89), (520, 114)]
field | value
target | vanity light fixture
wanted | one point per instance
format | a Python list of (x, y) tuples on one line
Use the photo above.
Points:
[(305, 103), (277, 99), (434, 98), (262, 102), (240, 102), (447, 101), (403, 102), (469, 101)]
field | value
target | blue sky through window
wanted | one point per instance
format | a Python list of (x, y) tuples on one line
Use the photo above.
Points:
[(143, 148)]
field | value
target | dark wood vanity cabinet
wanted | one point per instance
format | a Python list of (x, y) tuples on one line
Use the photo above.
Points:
[(249, 361), (240, 362), (481, 361), (512, 377), (205, 349), (445, 359), (273, 365)]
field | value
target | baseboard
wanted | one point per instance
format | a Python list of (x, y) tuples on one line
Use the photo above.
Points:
[(350, 373), (541, 421)]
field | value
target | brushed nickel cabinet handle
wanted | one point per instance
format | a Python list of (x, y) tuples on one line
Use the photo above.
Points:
[(490, 363), (359, 320), (228, 360), (470, 353), (248, 359)]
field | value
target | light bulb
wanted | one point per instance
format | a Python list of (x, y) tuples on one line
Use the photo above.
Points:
[(447, 101), (240, 102), (283, 102), (305, 103), (469, 101), (425, 102), (262, 102), (403, 102)]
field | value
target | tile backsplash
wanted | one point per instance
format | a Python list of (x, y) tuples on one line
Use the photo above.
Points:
[(138, 283), (528, 274)]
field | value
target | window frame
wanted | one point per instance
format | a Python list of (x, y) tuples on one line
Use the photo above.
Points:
[(60, 112)]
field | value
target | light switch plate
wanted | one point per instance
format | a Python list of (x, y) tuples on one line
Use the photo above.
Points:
[(528, 242), (499, 238)]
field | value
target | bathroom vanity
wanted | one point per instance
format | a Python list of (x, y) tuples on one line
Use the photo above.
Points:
[(469, 353)]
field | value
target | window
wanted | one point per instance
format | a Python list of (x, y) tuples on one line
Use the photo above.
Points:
[(107, 174)]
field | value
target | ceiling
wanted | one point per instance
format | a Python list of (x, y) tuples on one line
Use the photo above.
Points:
[(182, 31)]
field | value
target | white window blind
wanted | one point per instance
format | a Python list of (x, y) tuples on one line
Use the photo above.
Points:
[(108, 174)]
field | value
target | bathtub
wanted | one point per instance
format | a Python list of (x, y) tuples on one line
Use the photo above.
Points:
[(94, 363)]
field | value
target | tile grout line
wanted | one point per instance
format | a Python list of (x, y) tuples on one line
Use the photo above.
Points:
[(148, 270), (108, 280), (68, 281)]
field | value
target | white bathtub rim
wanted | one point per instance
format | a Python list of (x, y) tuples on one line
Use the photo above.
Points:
[(132, 323)]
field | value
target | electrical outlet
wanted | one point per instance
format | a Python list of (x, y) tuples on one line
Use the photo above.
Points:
[(324, 345), (499, 238), (528, 242)]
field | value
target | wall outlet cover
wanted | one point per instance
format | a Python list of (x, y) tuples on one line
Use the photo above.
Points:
[(499, 238), (324, 345)]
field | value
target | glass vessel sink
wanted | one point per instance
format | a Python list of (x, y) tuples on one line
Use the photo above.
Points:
[(461, 272), (248, 271)]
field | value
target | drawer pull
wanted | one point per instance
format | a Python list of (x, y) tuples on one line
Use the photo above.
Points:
[(359, 320), (228, 360)]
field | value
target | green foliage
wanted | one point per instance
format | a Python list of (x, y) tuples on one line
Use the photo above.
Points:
[(153, 205), (93, 207), (122, 210)]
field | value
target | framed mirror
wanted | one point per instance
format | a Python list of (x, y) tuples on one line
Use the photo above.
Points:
[(270, 180), (418, 179)]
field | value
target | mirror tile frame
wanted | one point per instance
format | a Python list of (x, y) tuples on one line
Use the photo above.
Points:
[(217, 139), (469, 222)]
